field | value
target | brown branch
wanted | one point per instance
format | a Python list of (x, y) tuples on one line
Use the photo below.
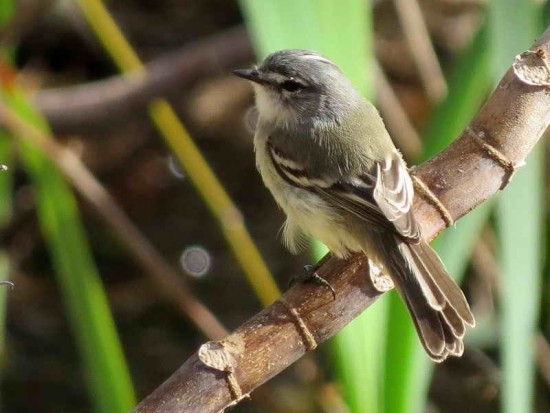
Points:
[(103, 103), (462, 177)]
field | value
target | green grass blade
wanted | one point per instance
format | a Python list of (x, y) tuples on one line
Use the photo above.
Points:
[(7, 8), (6, 192), (359, 351), (408, 365), (6, 177), (281, 24), (469, 84), (514, 25), (324, 26), (106, 371), (521, 263)]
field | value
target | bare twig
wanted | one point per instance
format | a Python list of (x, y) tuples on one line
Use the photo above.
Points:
[(421, 48), (477, 165), (397, 120), (168, 281), (103, 103)]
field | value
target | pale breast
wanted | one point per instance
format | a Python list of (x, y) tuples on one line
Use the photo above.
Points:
[(307, 213)]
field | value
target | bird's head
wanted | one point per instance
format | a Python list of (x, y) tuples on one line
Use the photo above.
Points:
[(301, 86)]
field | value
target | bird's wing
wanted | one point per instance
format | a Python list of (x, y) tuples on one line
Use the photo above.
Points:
[(382, 196), (394, 194)]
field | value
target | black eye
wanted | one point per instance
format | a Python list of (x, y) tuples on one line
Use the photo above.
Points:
[(291, 85)]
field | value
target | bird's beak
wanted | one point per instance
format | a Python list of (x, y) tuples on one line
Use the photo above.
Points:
[(250, 74)]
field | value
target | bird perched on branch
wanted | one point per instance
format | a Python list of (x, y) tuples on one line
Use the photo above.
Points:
[(324, 153)]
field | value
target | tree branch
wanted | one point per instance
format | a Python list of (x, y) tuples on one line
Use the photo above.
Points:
[(477, 165), (100, 104)]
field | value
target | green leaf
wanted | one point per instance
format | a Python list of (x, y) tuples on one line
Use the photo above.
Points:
[(6, 191), (6, 177), (7, 7), (106, 371), (359, 351), (514, 26), (469, 84), (521, 262)]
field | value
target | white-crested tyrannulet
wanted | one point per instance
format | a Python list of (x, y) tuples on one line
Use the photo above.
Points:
[(324, 153)]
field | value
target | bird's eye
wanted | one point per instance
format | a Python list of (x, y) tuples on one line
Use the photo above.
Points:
[(291, 85)]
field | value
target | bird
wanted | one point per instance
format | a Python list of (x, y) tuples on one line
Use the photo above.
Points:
[(324, 153)]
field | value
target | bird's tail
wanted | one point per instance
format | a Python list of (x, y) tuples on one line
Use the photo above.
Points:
[(436, 303)]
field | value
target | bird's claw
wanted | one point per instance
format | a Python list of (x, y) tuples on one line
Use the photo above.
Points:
[(310, 275)]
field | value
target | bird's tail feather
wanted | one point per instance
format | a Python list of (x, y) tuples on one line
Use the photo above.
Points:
[(437, 306)]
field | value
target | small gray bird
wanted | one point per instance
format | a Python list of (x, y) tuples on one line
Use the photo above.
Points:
[(324, 153)]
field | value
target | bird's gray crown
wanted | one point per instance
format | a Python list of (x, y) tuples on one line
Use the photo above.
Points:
[(303, 67), (299, 63)]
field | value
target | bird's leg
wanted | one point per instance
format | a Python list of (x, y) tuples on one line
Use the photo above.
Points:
[(310, 275)]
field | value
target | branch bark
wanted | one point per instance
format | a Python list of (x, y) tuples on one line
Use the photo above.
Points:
[(477, 165)]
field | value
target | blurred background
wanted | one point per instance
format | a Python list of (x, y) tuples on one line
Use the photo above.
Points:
[(135, 227)]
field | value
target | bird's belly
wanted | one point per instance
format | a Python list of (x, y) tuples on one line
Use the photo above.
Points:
[(309, 213), (321, 221)]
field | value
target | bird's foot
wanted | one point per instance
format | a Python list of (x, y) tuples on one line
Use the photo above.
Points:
[(310, 275)]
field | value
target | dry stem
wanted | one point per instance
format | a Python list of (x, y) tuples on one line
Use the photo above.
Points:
[(421, 48)]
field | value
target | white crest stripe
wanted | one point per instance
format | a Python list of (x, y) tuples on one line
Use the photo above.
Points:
[(317, 57)]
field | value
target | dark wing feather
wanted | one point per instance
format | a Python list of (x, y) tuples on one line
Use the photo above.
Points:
[(394, 194), (382, 196)]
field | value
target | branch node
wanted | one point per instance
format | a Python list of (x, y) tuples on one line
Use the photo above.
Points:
[(309, 340), (426, 193), (509, 167), (222, 356), (533, 67)]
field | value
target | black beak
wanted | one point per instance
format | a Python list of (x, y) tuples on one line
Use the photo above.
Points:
[(249, 74)]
